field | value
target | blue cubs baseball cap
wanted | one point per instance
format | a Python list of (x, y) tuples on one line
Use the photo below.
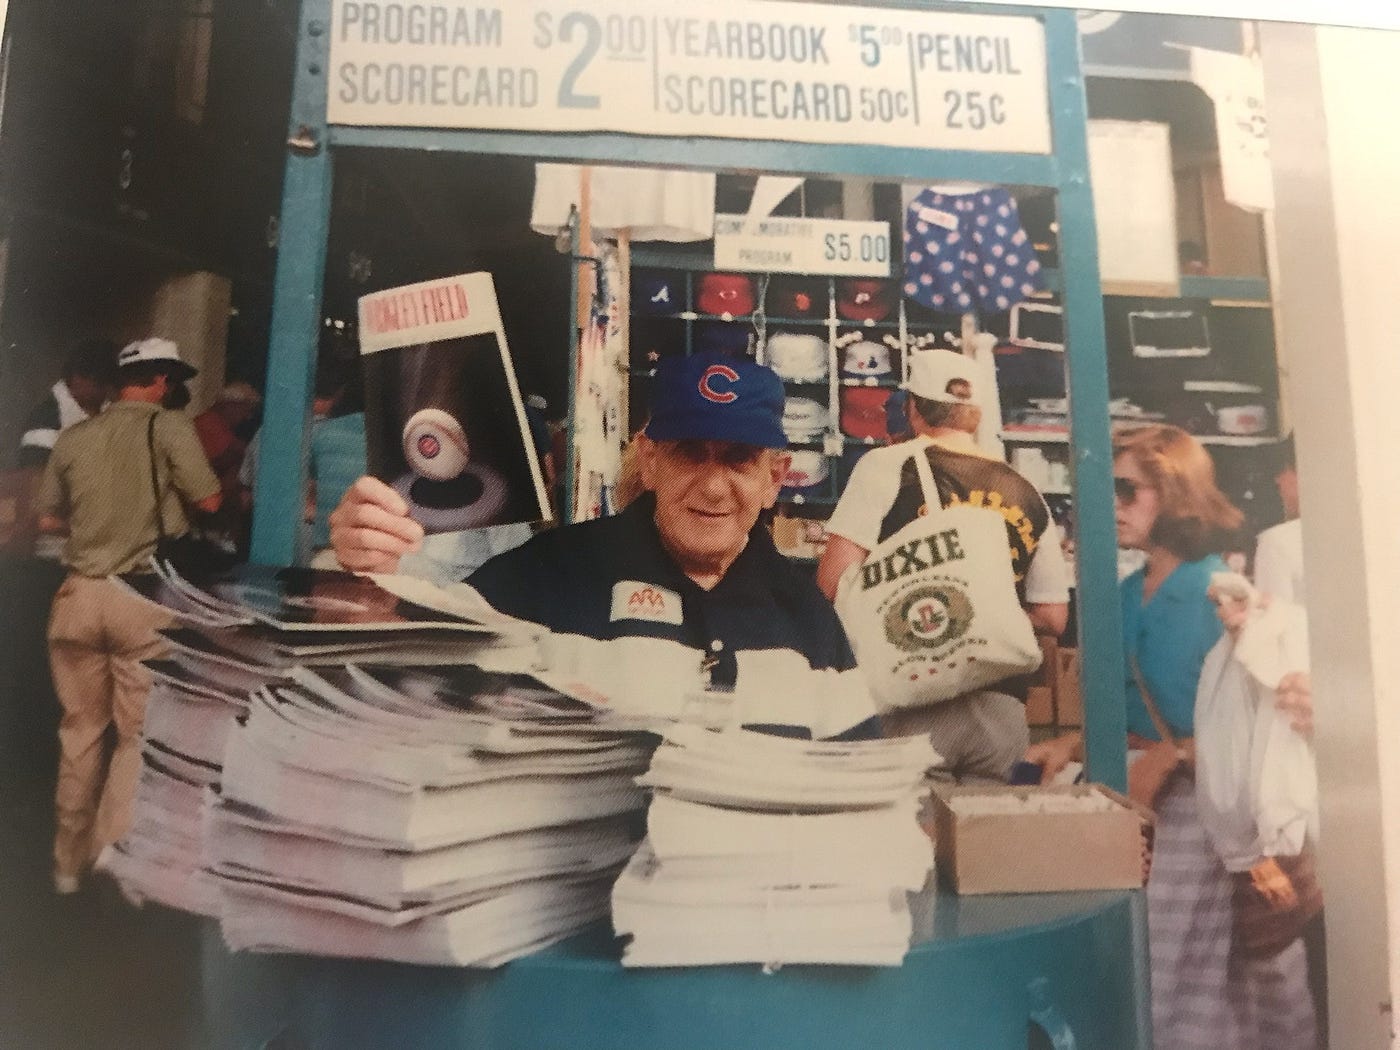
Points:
[(717, 397)]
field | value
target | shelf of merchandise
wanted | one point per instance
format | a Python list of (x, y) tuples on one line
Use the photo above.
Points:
[(1245, 290)]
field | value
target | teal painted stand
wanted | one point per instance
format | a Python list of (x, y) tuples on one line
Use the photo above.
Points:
[(982, 970)]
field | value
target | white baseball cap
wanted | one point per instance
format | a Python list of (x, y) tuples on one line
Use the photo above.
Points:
[(796, 357), (806, 468), (803, 418), (153, 350), (932, 372), (867, 358)]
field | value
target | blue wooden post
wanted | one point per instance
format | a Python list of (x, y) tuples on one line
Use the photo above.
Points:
[(1100, 627), (296, 311)]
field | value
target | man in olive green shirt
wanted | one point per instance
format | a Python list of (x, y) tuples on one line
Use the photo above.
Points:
[(97, 486)]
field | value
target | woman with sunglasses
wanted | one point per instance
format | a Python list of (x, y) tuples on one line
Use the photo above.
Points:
[(1167, 505)]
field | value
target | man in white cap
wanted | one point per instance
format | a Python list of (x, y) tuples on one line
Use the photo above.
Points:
[(99, 487), (981, 734)]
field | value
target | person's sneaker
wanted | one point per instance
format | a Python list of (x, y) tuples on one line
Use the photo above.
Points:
[(66, 885)]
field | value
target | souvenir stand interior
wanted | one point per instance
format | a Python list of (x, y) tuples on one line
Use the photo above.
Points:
[(987, 970)]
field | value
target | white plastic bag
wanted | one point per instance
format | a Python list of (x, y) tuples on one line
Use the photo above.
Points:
[(1256, 780)]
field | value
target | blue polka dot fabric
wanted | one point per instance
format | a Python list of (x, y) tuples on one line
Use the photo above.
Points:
[(968, 252)]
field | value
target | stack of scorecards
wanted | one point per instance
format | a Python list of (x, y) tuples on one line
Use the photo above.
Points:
[(463, 813), (773, 850)]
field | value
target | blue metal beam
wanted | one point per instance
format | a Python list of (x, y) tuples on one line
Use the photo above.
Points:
[(1091, 460), (1017, 169), (296, 310)]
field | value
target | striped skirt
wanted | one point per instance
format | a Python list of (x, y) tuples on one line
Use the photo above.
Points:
[(1202, 999)]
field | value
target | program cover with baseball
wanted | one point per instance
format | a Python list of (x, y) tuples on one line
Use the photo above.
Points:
[(444, 421)]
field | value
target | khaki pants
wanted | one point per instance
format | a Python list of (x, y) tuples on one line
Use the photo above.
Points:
[(98, 636)]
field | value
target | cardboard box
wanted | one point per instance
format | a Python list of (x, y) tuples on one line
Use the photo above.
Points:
[(1039, 852)]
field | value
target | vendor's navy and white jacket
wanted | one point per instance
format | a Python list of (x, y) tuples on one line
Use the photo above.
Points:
[(625, 619)]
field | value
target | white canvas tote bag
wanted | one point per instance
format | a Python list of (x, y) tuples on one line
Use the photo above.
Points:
[(932, 612)]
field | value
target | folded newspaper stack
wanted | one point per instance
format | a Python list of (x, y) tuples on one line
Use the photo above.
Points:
[(459, 814), (773, 850)]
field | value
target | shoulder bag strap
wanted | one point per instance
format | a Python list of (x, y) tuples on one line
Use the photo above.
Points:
[(932, 501), (155, 482), (1160, 723)]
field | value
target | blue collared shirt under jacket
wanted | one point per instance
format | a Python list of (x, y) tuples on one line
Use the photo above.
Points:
[(1169, 637)]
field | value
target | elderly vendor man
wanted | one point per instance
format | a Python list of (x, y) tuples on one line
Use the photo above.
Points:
[(685, 579)]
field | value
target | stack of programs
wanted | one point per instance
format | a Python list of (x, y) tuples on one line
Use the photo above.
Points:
[(428, 817), (462, 813), (773, 850)]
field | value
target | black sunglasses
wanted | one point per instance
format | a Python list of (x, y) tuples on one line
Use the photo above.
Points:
[(1126, 489)]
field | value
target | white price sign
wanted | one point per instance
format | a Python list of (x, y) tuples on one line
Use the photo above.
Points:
[(739, 69), (784, 245)]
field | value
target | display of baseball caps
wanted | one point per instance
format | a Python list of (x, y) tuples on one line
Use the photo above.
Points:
[(797, 299), (806, 469), (724, 293), (865, 360), (716, 397), (796, 357), (864, 299), (863, 413), (804, 419), (943, 375)]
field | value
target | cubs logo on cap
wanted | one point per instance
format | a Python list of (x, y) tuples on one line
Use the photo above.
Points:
[(860, 299), (725, 293), (714, 382), (716, 397)]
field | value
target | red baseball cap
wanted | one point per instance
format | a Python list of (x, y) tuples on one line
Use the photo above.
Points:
[(862, 299), (725, 293), (863, 412), (793, 298)]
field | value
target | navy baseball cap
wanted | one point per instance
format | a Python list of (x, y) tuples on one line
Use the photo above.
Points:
[(717, 397)]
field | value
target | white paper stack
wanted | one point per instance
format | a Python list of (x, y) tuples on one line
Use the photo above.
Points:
[(190, 711), (462, 813), (363, 815), (772, 850)]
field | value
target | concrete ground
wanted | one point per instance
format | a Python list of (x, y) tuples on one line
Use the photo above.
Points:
[(87, 972)]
